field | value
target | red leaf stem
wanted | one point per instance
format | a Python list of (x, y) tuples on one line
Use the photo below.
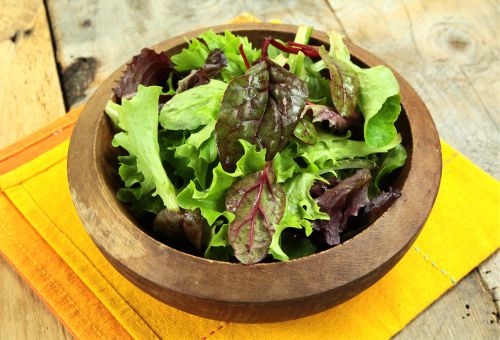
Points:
[(243, 55)]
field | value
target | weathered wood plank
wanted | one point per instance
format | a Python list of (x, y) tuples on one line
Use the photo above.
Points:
[(490, 275), (90, 33), (23, 314), (30, 94), (464, 312)]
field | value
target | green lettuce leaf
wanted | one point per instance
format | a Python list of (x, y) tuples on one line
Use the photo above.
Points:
[(138, 120), (193, 57), (197, 159), (380, 103), (379, 99), (330, 149), (218, 247), (296, 248), (197, 153), (284, 165), (133, 193), (193, 108), (389, 162), (300, 210)]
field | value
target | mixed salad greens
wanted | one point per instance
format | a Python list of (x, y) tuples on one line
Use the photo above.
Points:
[(238, 153)]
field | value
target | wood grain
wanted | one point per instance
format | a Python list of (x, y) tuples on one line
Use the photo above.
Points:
[(30, 95), (89, 32), (450, 54), (468, 314), (24, 315), (264, 292)]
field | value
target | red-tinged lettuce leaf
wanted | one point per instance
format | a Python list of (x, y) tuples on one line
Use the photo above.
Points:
[(147, 68), (215, 62), (262, 107), (258, 203), (380, 204), (341, 202), (344, 83), (319, 187), (336, 122), (180, 226)]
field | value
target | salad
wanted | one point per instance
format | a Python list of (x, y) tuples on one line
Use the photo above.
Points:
[(246, 153)]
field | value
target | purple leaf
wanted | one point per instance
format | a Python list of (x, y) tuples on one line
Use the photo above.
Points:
[(215, 62), (319, 187), (262, 107), (341, 202), (344, 84), (147, 68), (257, 203)]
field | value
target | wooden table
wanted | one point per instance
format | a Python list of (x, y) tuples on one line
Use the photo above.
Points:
[(55, 53)]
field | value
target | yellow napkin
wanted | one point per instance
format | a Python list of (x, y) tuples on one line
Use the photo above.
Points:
[(43, 239)]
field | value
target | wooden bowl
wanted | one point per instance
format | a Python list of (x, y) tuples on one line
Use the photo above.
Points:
[(266, 292)]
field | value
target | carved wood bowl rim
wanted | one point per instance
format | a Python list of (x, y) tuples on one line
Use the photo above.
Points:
[(180, 279)]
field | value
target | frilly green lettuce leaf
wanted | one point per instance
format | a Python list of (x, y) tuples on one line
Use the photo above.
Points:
[(300, 210), (284, 165), (138, 120), (133, 192), (379, 99), (212, 200), (193, 57), (330, 149)]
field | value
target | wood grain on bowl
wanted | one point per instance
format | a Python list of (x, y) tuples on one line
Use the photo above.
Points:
[(264, 292)]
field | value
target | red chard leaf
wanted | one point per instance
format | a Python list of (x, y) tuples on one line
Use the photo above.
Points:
[(215, 62), (344, 84), (241, 110), (341, 202), (258, 203), (147, 68), (262, 107), (287, 98)]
